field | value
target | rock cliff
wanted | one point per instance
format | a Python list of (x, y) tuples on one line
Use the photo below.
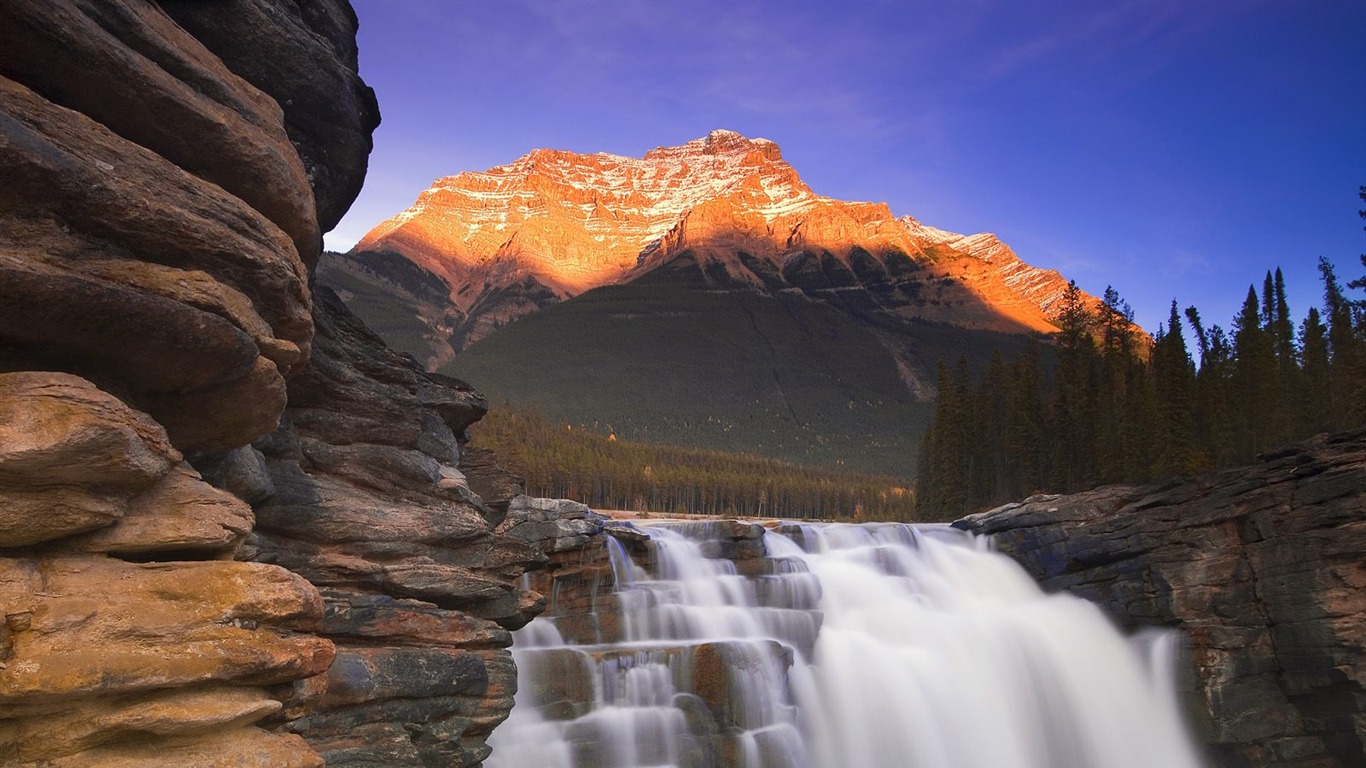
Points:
[(170, 593), (1262, 568), (361, 491)]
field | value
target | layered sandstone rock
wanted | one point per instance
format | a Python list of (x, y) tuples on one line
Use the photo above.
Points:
[(104, 661), (311, 68), (154, 251), (552, 224), (1262, 568), (166, 170), (155, 221), (361, 491)]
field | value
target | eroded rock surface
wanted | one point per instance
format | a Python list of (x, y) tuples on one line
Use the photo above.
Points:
[(312, 69), (154, 219), (158, 205), (1264, 570), (108, 662), (364, 495)]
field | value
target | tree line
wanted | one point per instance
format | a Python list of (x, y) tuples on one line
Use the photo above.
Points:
[(558, 460), (1109, 404)]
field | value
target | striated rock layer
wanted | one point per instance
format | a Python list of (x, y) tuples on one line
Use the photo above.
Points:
[(361, 491), (1262, 568), (156, 218), (155, 222), (115, 643), (336, 593), (552, 224)]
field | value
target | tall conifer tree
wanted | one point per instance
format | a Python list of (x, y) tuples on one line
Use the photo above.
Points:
[(1254, 376), (1315, 400), (1347, 367), (1174, 382), (1074, 395)]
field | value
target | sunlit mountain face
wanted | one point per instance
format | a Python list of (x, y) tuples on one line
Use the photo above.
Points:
[(717, 245)]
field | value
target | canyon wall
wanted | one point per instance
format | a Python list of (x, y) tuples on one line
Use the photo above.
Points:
[(1262, 568), (235, 529)]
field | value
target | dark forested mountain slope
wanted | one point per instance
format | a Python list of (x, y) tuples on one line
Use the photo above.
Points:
[(702, 294)]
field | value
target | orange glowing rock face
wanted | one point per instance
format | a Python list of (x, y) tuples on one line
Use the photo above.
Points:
[(574, 222)]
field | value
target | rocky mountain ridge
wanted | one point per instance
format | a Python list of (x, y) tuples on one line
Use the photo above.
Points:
[(815, 324), (552, 224)]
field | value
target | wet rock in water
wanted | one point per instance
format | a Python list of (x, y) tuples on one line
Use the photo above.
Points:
[(551, 525)]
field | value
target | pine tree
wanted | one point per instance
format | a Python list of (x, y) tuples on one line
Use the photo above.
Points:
[(1288, 378), (1074, 395), (1026, 429), (1201, 337), (1281, 329), (1124, 407), (1174, 385), (1268, 301), (1315, 400), (1347, 368), (1254, 376), (1213, 390), (1360, 282)]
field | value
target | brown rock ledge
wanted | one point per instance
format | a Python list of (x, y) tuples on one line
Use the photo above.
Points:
[(109, 662)]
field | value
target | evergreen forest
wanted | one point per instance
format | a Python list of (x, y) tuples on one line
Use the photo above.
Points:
[(1109, 404), (557, 460), (1100, 402)]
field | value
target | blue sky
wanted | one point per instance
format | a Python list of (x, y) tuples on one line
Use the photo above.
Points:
[(1172, 150)]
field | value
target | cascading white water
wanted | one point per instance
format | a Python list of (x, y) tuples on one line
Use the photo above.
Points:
[(880, 646)]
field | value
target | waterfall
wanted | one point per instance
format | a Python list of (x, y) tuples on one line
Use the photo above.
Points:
[(874, 646)]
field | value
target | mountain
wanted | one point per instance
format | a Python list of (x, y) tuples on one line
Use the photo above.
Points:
[(702, 293)]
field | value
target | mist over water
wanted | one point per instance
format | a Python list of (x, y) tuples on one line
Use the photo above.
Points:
[(881, 646)]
